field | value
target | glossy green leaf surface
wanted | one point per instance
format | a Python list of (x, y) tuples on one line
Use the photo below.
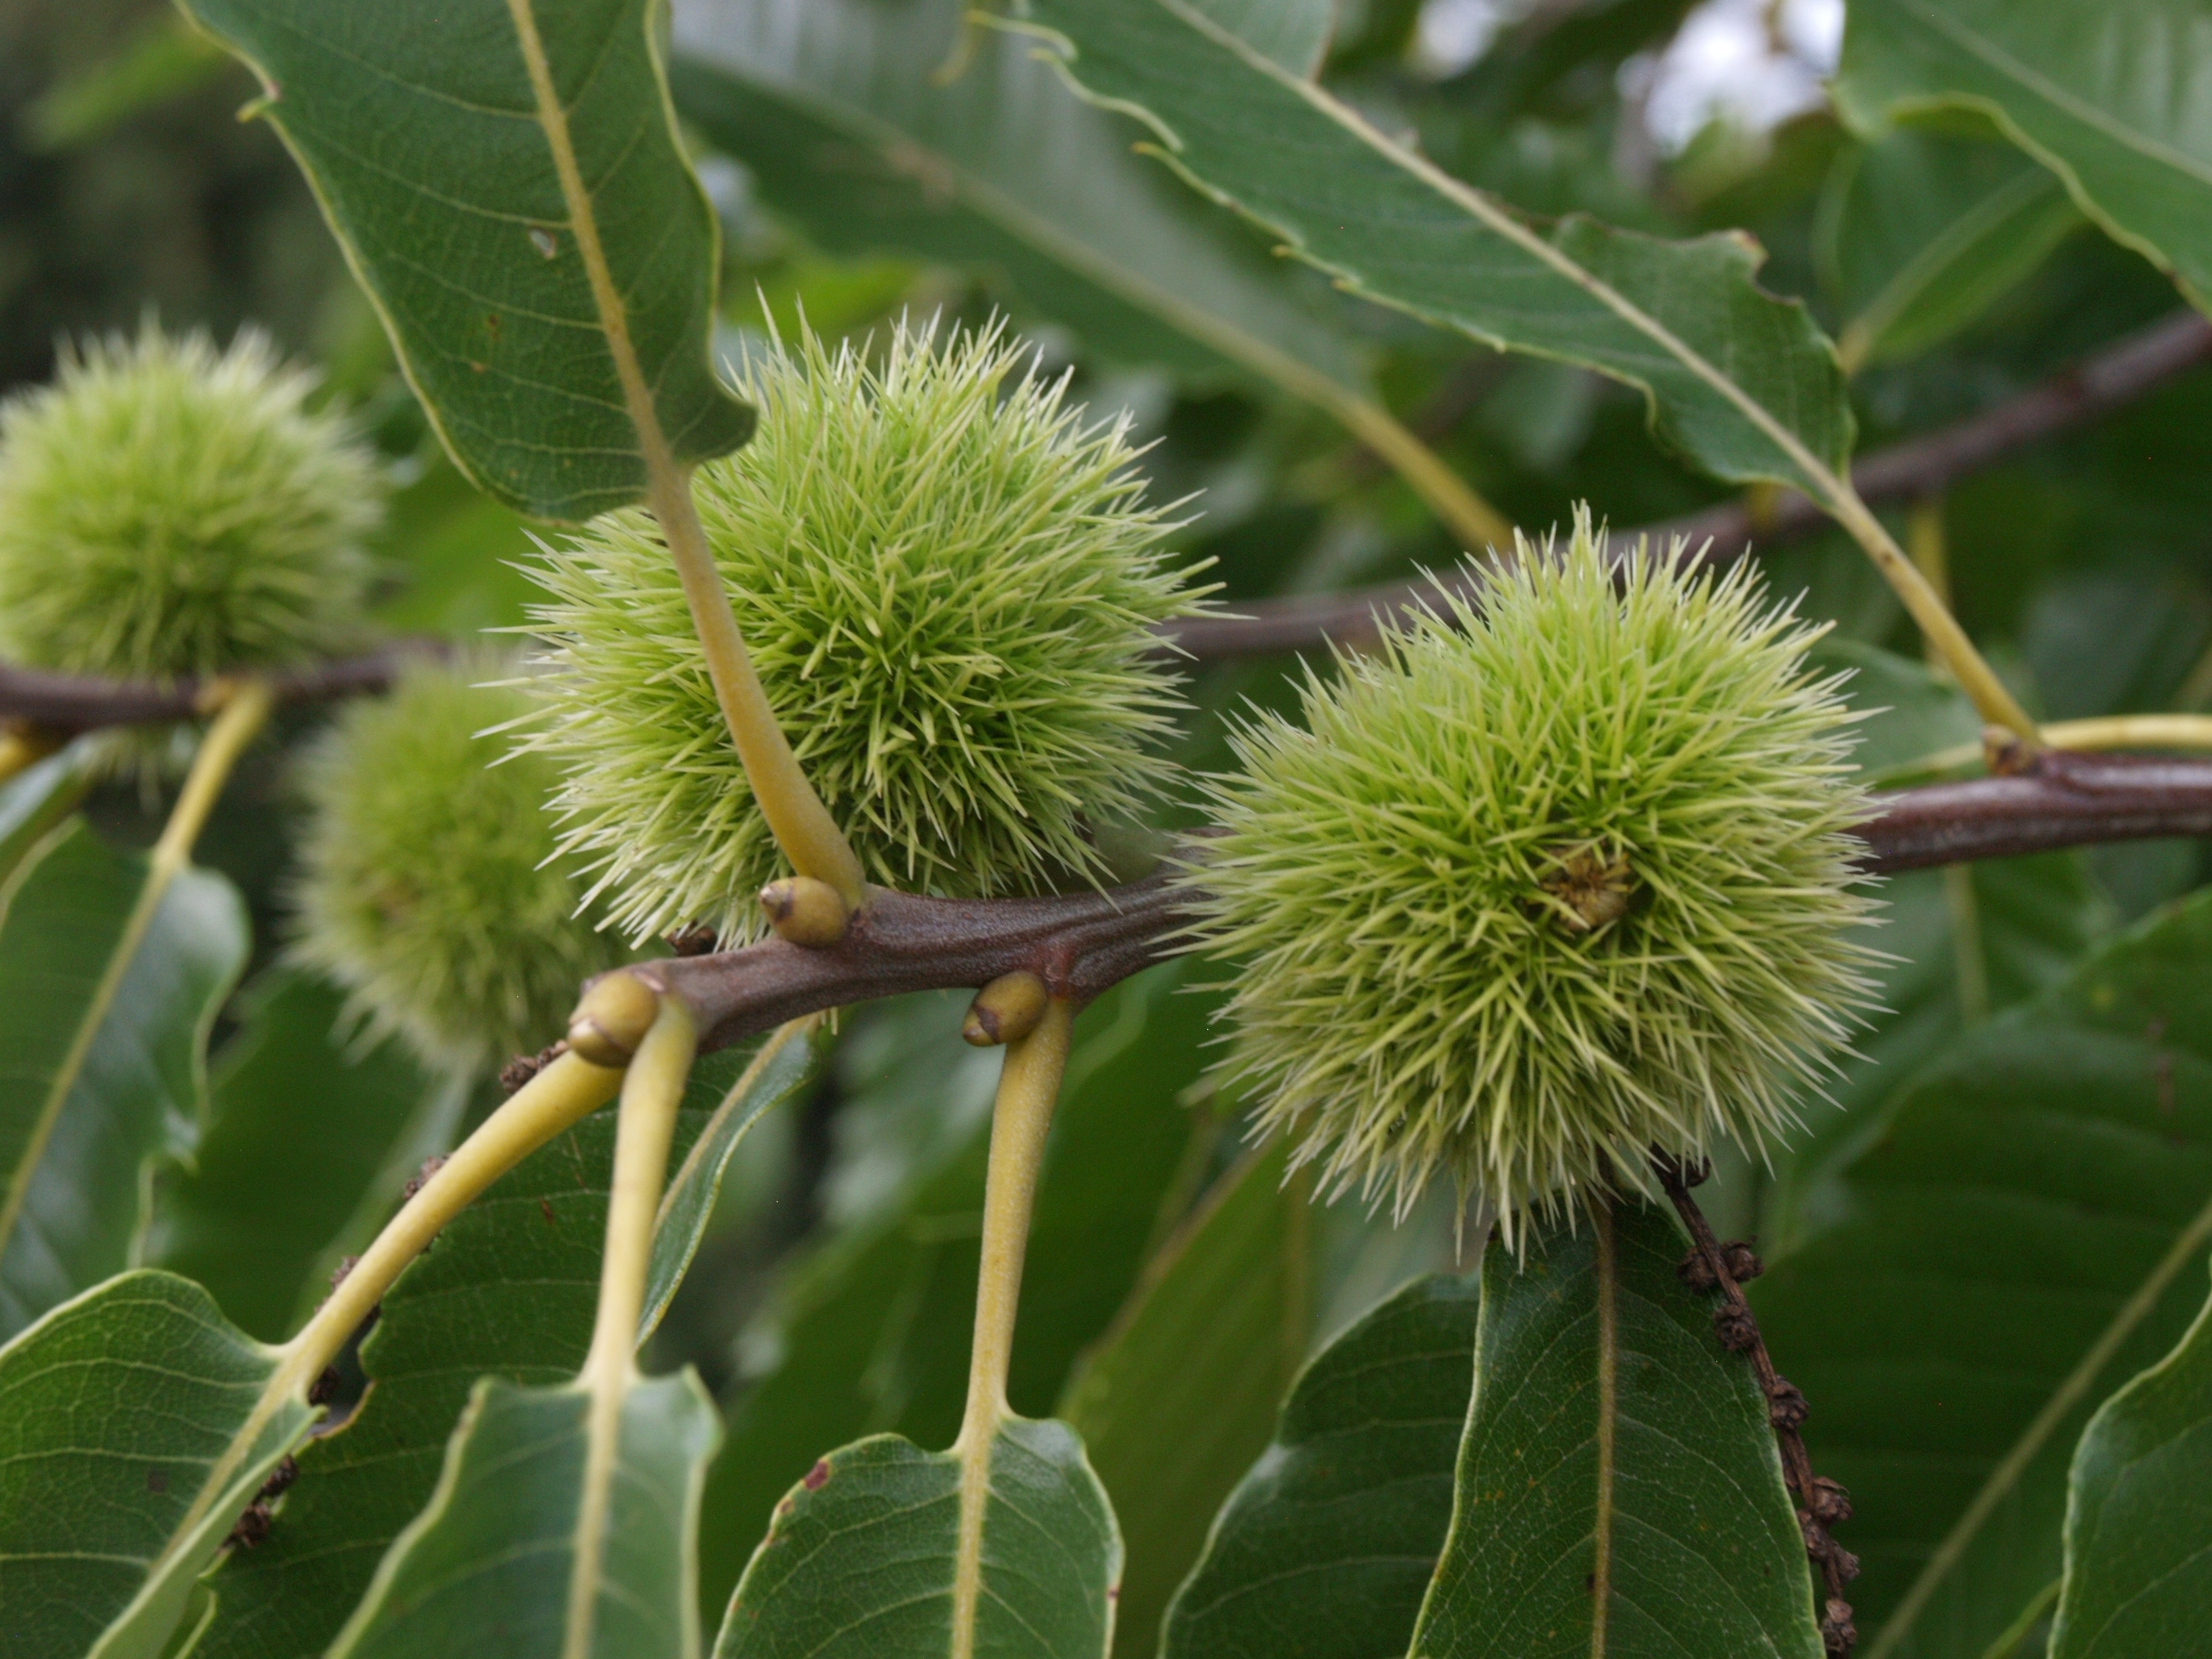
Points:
[(487, 1567), (872, 1335), (436, 136), (1999, 1253), (2111, 97), (1922, 232), (35, 801), (860, 1561), (2139, 1515), (1197, 1362), (507, 1291), (1618, 1489), (119, 1412), (1326, 1546), (104, 1069), (1293, 34), (1742, 383), (834, 107), (257, 1224)]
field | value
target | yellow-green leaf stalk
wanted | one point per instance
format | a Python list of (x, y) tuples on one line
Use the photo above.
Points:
[(429, 888), (1528, 891), (947, 582)]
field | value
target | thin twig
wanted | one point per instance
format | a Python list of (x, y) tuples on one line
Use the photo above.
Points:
[(1821, 1503), (66, 704), (2118, 375)]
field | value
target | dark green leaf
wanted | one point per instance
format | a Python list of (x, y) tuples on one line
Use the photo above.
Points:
[(35, 800), (1619, 1487), (1293, 34), (308, 1142), (1178, 1398), (2002, 1247), (486, 1568), (508, 1290), (423, 130), (860, 1561), (1741, 381), (871, 1334), (104, 1029), (2109, 96), (1326, 1548), (122, 1465), (2139, 1517)]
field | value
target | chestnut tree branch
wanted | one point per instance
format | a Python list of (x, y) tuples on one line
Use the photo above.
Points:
[(2131, 368), (67, 704)]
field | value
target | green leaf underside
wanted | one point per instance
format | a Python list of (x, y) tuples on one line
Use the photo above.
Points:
[(1993, 1224), (35, 801), (486, 1568), (1617, 1467), (784, 1067), (97, 1082), (1925, 232), (860, 1561), (1325, 1549), (2103, 94), (114, 1410), (2139, 1519), (259, 1225), (507, 1290), (833, 108), (1736, 377), (874, 1331), (418, 128), (1197, 1364)]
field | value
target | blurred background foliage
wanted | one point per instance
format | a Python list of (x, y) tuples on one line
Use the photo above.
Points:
[(1173, 1277)]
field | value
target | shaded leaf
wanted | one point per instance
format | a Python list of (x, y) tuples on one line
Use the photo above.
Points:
[(1326, 1546), (508, 1290), (2108, 96), (485, 1569), (1619, 1489), (35, 800), (1178, 1398), (436, 136), (860, 1559), (118, 1412), (104, 1037), (307, 1145), (1741, 381), (2139, 1515), (1999, 1250)]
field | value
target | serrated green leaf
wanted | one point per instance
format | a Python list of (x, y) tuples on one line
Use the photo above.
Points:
[(104, 1032), (507, 181), (2109, 96), (507, 1290), (1619, 1489), (873, 1332), (122, 1466), (2139, 1515), (860, 1561), (1923, 232), (1197, 1362), (308, 1141), (485, 1569), (1742, 382), (1326, 1546), (2002, 1247)]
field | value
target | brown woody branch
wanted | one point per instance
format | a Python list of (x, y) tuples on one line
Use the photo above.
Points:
[(1921, 466), (1081, 944), (67, 704)]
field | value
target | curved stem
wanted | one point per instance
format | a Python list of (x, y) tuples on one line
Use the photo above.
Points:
[(2105, 731), (1028, 1087)]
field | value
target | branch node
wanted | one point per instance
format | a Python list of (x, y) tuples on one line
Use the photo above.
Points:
[(696, 940), (1005, 1011), (806, 911), (612, 1019)]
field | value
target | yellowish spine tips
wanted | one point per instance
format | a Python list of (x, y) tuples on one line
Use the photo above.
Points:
[(612, 1019), (804, 911), (1005, 1011)]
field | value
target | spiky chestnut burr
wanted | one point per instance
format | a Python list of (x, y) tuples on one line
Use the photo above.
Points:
[(1528, 891), (946, 581), (429, 887), (168, 511)]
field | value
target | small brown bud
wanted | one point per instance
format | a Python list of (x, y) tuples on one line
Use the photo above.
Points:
[(612, 1019), (1005, 1011), (1741, 1261), (1786, 1406), (253, 1527), (286, 1472), (1838, 1636), (1736, 1328), (804, 911), (2006, 754), (420, 1178), (1830, 1503), (320, 1390), (696, 940), (523, 1067), (1694, 1271)]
